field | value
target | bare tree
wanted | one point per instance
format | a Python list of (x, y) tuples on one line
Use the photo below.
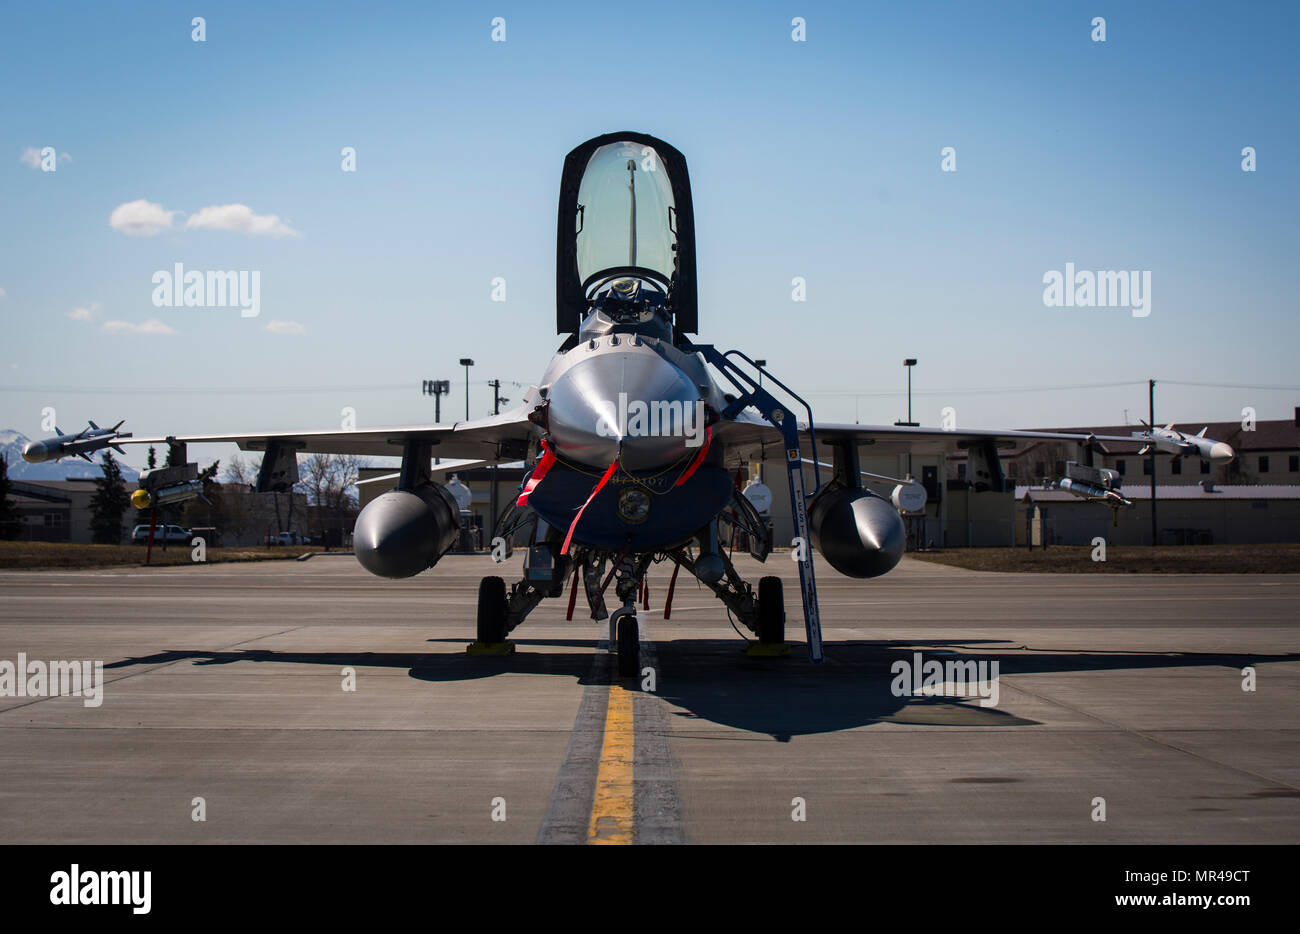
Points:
[(330, 481)]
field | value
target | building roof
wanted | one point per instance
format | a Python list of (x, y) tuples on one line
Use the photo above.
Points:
[(1188, 491)]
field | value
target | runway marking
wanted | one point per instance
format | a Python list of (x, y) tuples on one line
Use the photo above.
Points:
[(568, 812), (616, 784), (613, 819)]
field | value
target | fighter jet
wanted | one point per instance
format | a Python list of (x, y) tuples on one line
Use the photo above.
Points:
[(84, 443), (635, 434)]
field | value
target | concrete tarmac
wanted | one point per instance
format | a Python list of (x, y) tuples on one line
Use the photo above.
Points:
[(227, 683)]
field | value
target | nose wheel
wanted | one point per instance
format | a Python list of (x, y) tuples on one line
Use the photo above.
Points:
[(625, 633)]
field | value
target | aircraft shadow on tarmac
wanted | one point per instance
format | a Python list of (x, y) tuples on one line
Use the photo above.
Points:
[(711, 680)]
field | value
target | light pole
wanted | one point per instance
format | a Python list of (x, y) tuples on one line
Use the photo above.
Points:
[(760, 364), (466, 362), (911, 520), (1151, 414), (497, 399), (909, 363)]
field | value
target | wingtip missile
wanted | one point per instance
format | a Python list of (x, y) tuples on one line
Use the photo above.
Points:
[(84, 443), (1171, 441)]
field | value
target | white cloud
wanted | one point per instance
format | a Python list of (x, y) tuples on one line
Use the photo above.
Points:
[(141, 218), (3, 293), (152, 326), (85, 314), (285, 327), (239, 218)]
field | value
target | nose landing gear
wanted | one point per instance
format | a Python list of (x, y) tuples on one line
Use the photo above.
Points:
[(625, 638), (624, 629)]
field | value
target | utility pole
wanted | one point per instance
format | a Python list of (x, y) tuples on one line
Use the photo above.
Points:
[(436, 388), (1151, 403)]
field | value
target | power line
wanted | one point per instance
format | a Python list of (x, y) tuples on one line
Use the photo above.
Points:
[(850, 393), (218, 390), (999, 389), (404, 387), (1174, 382)]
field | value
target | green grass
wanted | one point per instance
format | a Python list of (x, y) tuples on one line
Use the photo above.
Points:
[(1126, 559), (35, 555)]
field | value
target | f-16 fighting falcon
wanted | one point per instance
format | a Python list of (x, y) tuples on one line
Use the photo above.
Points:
[(635, 434)]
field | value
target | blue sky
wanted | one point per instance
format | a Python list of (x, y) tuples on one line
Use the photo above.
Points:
[(818, 159)]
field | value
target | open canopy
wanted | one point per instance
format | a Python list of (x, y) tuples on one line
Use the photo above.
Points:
[(625, 211)]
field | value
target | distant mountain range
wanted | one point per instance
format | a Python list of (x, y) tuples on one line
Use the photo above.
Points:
[(11, 447)]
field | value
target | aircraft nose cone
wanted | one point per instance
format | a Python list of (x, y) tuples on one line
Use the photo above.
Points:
[(635, 398), (1221, 453)]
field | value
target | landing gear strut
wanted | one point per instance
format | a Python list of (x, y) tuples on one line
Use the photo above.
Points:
[(624, 630)]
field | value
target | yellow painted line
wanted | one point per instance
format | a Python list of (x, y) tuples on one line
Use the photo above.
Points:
[(612, 819)]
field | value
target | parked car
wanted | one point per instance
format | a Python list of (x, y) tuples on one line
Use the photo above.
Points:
[(286, 538), (162, 533)]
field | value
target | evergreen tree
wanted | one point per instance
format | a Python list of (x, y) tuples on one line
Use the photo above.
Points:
[(109, 504), (10, 526)]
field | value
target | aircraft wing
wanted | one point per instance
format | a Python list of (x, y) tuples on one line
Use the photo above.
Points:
[(480, 439), (750, 437)]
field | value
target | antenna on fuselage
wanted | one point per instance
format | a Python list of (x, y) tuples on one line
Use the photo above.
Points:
[(631, 227)]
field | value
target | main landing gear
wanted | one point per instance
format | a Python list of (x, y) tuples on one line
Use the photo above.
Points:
[(500, 610), (492, 625)]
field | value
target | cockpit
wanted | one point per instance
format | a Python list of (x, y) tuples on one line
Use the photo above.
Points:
[(624, 225), (628, 306), (626, 246)]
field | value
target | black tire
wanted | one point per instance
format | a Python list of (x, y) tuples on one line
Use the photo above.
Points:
[(629, 646), (771, 610), (492, 610)]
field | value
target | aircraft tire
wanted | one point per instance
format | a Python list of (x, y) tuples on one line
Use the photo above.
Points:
[(629, 645), (771, 610), (491, 610)]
